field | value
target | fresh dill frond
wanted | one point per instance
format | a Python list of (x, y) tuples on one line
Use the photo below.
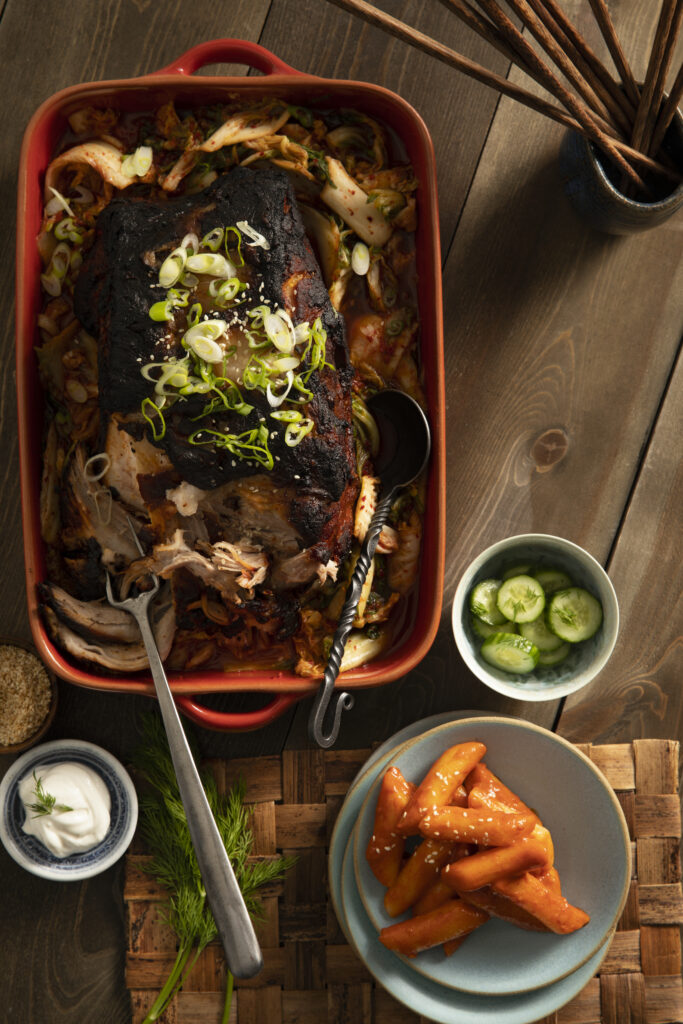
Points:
[(45, 802), (173, 863)]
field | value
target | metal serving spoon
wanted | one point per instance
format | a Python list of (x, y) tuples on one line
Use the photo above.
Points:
[(405, 443), (242, 951)]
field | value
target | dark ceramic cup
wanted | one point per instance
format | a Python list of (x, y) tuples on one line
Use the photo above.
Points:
[(589, 184)]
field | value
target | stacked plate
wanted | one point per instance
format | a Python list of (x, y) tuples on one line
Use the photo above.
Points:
[(501, 972)]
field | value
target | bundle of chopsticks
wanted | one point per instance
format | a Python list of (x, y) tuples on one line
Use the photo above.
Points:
[(627, 121)]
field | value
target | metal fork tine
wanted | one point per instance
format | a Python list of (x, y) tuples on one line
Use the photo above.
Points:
[(143, 598)]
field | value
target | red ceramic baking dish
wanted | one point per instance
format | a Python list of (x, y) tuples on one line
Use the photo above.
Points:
[(178, 82)]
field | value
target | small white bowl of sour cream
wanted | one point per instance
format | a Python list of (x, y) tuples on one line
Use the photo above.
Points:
[(68, 810)]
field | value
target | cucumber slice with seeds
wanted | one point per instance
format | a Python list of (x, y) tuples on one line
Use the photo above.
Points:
[(484, 629), (553, 657), (553, 579), (521, 599), (510, 652), (483, 602), (539, 634), (574, 614)]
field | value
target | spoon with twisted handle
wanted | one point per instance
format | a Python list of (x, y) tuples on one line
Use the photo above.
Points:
[(405, 443), (242, 951)]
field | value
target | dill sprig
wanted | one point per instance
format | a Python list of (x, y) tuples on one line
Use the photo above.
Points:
[(173, 863), (45, 803)]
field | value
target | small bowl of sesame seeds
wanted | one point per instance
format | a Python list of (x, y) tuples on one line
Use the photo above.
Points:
[(28, 697)]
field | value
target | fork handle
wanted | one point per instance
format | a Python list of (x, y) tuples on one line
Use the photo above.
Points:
[(234, 925)]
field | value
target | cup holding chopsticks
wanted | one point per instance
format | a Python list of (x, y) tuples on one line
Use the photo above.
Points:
[(594, 187)]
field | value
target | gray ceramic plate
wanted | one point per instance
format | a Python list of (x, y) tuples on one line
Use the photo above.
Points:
[(592, 855), (432, 1001)]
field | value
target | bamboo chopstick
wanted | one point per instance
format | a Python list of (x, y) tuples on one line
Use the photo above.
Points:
[(668, 112), (606, 26), (486, 29), (552, 83), (443, 53), (545, 30), (662, 72), (586, 60), (644, 113), (616, 148)]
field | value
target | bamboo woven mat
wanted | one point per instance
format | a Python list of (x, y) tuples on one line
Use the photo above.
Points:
[(312, 976)]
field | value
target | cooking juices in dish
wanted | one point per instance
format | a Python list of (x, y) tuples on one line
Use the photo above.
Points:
[(224, 288), (67, 807)]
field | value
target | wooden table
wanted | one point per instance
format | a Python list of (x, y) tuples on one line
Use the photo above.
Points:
[(550, 327)]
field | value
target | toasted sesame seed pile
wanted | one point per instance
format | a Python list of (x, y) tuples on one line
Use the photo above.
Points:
[(25, 694)]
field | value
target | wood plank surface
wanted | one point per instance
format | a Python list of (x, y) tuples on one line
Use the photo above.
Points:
[(564, 411), (643, 678)]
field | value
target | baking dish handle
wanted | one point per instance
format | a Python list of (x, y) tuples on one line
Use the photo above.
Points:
[(227, 51), (226, 721)]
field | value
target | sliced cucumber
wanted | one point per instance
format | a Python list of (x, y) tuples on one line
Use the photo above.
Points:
[(553, 579), (483, 602), (521, 599), (510, 652), (539, 634), (574, 614), (524, 569), (484, 629), (554, 657)]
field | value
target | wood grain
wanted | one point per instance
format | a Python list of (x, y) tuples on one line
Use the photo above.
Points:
[(643, 678), (563, 411)]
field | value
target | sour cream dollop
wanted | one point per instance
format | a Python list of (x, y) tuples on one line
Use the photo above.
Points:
[(77, 787)]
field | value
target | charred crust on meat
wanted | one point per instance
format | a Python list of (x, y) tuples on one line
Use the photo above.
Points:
[(119, 281)]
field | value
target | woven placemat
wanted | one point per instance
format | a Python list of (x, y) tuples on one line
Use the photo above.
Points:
[(311, 975)]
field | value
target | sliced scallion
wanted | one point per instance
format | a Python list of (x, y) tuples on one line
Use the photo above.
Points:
[(255, 237), (224, 292), (190, 243), (240, 257), (212, 239), (286, 415), (178, 296), (283, 363), (296, 432), (154, 416), (211, 263), (195, 314), (279, 332), (172, 268), (161, 311), (138, 163), (275, 400), (67, 231)]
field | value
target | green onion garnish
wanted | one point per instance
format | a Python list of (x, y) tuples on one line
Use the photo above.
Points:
[(296, 432), (172, 268), (154, 417), (212, 240), (211, 263)]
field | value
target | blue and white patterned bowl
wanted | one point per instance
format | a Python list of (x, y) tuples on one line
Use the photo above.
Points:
[(586, 659), (29, 852)]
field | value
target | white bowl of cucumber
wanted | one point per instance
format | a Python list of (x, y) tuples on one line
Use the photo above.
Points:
[(535, 617)]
